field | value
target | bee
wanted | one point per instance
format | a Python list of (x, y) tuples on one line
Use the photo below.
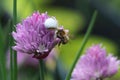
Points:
[(61, 33), (63, 36)]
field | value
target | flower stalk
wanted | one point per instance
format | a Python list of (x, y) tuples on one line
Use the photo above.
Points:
[(41, 69), (2, 56), (3, 65), (90, 27), (13, 54)]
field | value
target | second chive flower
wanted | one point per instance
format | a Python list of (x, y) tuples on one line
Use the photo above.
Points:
[(32, 36), (95, 65)]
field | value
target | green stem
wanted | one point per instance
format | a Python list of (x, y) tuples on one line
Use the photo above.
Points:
[(11, 63), (14, 53), (83, 44), (14, 12), (2, 55), (15, 66), (41, 70), (11, 52), (1, 35), (3, 65)]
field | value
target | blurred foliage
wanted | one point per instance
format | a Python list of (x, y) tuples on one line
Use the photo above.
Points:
[(73, 15), (69, 51), (70, 19)]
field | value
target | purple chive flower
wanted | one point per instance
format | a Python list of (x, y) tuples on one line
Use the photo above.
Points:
[(23, 59), (33, 37), (27, 59), (95, 65)]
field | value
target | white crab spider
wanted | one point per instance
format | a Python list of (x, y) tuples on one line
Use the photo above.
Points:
[(51, 23)]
